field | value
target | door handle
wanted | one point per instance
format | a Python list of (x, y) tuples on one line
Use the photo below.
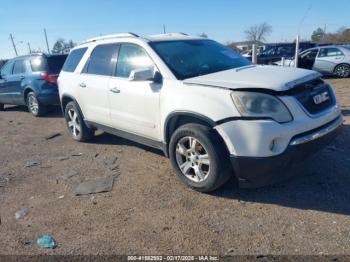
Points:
[(83, 85), (22, 77), (115, 90)]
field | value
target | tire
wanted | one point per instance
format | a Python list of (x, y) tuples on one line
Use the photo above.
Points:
[(342, 71), (76, 124), (205, 166), (34, 106), (2, 107)]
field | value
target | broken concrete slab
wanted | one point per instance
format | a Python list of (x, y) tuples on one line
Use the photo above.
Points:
[(53, 135), (94, 186)]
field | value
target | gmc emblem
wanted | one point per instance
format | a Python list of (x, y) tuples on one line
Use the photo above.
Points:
[(320, 98)]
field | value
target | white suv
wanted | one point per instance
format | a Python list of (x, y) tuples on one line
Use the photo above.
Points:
[(211, 111)]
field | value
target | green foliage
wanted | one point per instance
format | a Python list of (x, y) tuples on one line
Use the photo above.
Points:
[(61, 46)]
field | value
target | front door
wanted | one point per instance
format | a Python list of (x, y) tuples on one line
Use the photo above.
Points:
[(307, 59), (94, 83), (134, 105)]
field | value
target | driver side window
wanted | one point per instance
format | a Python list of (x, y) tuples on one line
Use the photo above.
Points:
[(132, 57)]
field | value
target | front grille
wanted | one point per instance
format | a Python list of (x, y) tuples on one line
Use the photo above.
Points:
[(308, 92)]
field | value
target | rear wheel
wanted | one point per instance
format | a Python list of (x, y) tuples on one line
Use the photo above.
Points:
[(76, 125), (342, 71), (199, 157), (34, 105)]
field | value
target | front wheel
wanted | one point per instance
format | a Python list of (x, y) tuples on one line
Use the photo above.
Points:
[(76, 125), (342, 71), (34, 105), (199, 157)]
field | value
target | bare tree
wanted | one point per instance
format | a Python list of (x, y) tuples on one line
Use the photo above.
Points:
[(204, 35), (258, 32)]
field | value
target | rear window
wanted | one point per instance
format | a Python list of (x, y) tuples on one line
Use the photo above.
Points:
[(56, 63), (73, 59), (52, 64)]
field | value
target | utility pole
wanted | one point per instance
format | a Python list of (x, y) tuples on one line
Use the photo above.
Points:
[(298, 37), (164, 31), (47, 42), (13, 43), (30, 50)]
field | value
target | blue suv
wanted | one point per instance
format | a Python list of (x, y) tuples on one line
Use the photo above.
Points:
[(32, 81)]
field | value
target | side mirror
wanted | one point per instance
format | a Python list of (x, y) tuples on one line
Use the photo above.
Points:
[(145, 74)]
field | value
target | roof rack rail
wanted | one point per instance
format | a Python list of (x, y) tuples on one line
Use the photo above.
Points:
[(104, 37)]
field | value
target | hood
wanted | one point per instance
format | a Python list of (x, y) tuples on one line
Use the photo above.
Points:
[(275, 78)]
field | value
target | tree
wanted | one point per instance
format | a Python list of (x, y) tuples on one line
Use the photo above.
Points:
[(258, 33), (203, 35), (61, 46), (318, 35)]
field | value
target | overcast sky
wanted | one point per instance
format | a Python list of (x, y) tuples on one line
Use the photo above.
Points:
[(221, 20)]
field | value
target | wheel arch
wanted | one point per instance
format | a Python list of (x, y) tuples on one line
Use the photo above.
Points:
[(179, 118), (26, 91), (65, 99)]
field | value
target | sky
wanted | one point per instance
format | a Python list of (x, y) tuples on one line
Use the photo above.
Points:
[(221, 20)]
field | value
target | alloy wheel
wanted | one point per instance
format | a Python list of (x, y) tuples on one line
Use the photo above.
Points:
[(342, 71), (73, 122), (192, 159), (33, 104)]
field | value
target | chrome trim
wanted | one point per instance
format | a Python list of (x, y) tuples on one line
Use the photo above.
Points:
[(317, 134)]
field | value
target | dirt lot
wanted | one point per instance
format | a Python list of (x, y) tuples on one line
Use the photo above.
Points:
[(149, 211)]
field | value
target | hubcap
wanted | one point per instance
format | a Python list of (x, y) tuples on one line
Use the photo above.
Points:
[(73, 122), (33, 104), (192, 159), (342, 71)]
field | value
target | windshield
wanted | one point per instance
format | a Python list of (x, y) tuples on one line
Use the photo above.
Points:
[(191, 58)]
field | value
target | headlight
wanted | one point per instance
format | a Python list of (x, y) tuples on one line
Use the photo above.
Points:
[(252, 104)]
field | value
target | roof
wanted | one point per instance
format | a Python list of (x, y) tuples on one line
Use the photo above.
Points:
[(150, 38)]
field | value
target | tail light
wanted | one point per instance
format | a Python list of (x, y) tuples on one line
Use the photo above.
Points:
[(50, 78)]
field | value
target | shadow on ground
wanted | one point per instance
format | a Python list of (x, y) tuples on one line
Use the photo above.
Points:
[(322, 184), (52, 112)]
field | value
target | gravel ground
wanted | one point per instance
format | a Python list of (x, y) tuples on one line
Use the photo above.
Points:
[(149, 211)]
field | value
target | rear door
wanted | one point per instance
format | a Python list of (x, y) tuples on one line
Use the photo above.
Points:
[(328, 58), (94, 83), (6, 72), (18, 74)]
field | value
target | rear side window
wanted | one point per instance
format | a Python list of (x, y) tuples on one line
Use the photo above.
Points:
[(325, 52), (102, 60), (19, 67), (38, 64), (73, 59), (55, 63)]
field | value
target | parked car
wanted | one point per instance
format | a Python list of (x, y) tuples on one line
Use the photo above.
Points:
[(32, 81), (328, 60), (274, 52), (208, 108)]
